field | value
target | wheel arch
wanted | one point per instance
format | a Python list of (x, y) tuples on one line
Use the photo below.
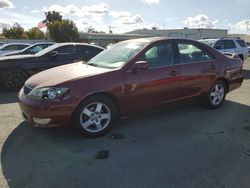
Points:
[(107, 95), (225, 81), (241, 56)]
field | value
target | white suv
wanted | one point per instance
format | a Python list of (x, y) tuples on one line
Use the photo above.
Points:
[(229, 45)]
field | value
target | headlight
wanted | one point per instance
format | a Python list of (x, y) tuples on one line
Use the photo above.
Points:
[(49, 93)]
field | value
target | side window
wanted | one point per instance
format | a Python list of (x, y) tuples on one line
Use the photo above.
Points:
[(35, 49), (21, 47), (159, 55), (89, 52), (229, 44), (66, 50), (189, 53), (242, 43), (11, 47), (219, 45)]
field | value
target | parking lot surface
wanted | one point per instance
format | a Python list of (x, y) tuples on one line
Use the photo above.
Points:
[(186, 146)]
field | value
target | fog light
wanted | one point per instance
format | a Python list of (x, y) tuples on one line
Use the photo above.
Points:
[(42, 121)]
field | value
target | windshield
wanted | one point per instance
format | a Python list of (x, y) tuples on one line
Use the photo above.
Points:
[(46, 50), (117, 55), (208, 42)]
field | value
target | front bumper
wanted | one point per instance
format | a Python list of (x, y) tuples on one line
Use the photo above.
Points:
[(45, 113)]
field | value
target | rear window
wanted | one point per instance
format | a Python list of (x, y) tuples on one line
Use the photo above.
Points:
[(241, 43)]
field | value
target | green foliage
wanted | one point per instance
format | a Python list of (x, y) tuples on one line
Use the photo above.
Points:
[(63, 31), (35, 33), (15, 32), (53, 16), (90, 29)]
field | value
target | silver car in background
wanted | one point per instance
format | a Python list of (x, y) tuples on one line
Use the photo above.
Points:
[(229, 45)]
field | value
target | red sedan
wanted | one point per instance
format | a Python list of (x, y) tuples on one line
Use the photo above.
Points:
[(127, 78)]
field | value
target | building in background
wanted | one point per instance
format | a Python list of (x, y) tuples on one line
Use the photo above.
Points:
[(195, 34)]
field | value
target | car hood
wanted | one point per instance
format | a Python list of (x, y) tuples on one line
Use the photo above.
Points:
[(15, 57), (61, 74)]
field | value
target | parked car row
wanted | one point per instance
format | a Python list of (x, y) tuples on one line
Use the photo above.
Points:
[(129, 77), (15, 69)]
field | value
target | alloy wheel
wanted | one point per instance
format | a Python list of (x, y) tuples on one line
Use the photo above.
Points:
[(95, 117), (217, 94)]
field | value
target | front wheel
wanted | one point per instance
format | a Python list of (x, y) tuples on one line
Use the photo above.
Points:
[(95, 116), (14, 79), (216, 94)]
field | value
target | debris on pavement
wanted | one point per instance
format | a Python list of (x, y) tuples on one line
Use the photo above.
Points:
[(247, 152), (247, 128), (102, 154), (211, 134), (117, 136)]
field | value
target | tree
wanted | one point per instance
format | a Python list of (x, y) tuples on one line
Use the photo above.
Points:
[(35, 33), (15, 32), (90, 29), (63, 31), (52, 16)]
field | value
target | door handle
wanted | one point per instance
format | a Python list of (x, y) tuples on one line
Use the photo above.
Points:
[(213, 67), (173, 73)]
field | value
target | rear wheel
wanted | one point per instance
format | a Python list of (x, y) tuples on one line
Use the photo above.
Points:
[(241, 57), (216, 94), (14, 79), (95, 116)]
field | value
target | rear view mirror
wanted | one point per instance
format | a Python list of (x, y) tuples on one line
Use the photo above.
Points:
[(140, 65), (217, 47)]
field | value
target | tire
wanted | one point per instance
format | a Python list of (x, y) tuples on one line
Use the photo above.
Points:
[(14, 79), (95, 116), (216, 94), (241, 57)]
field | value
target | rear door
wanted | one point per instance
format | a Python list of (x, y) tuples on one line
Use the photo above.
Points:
[(157, 85), (66, 54), (197, 69), (230, 46)]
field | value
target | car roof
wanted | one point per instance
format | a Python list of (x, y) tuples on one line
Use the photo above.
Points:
[(156, 39), (43, 43), (9, 44), (75, 43)]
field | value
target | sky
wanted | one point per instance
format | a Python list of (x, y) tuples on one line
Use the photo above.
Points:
[(126, 15)]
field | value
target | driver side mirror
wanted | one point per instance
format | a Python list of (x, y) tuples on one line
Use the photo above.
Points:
[(217, 47), (140, 66), (53, 54)]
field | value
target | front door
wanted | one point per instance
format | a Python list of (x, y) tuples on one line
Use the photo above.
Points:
[(157, 85)]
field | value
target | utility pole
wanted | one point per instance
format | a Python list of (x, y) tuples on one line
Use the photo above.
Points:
[(110, 29)]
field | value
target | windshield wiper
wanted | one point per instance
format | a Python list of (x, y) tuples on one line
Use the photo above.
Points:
[(96, 65)]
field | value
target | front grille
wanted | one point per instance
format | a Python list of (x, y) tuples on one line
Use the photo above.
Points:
[(26, 89)]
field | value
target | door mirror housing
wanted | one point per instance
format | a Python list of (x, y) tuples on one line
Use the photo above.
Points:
[(217, 47), (53, 54), (140, 66)]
